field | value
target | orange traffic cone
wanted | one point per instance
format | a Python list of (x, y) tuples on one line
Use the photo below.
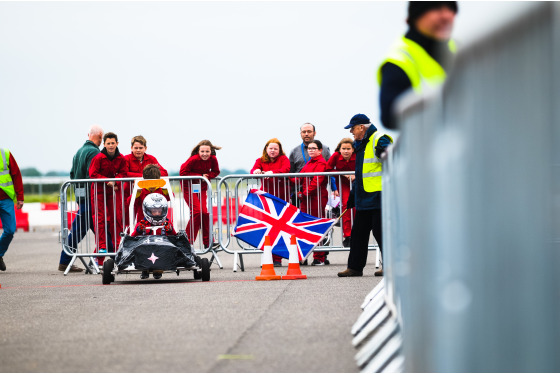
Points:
[(294, 272), (267, 272)]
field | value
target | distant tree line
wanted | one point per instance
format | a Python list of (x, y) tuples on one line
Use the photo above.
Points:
[(33, 172)]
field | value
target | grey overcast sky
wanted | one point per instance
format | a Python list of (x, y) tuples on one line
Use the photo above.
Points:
[(237, 73)]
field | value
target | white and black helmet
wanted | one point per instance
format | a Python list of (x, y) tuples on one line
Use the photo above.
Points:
[(155, 208)]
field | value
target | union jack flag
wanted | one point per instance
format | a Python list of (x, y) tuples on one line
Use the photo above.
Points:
[(264, 214)]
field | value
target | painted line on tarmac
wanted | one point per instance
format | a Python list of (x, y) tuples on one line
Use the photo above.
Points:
[(133, 283)]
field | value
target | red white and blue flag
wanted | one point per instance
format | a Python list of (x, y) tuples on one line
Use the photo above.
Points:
[(264, 214)]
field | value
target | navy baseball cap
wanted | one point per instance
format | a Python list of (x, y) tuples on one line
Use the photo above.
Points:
[(358, 119)]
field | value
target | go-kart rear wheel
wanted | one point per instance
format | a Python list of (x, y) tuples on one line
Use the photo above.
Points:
[(197, 274), (108, 267), (205, 269)]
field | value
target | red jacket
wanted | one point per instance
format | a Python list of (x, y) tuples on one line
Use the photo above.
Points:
[(135, 167), (197, 166), (16, 179), (338, 163), (310, 184), (141, 229), (102, 167), (275, 186), (280, 165)]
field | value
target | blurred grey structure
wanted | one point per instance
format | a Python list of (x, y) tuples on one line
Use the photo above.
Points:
[(472, 213)]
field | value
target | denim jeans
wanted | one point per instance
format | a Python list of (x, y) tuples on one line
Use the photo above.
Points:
[(8, 218), (80, 226)]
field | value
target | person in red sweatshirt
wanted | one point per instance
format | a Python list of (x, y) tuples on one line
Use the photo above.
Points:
[(151, 171), (136, 161), (11, 191), (107, 197), (154, 207), (203, 162), (273, 161), (313, 194), (344, 159)]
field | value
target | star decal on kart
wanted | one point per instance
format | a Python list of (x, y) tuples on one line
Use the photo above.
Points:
[(153, 258)]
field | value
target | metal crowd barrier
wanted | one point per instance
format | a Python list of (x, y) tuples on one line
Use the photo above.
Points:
[(92, 215), (471, 213), (83, 201), (233, 189)]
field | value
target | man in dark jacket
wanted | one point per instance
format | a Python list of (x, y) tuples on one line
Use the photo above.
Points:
[(419, 59), (80, 170), (365, 195)]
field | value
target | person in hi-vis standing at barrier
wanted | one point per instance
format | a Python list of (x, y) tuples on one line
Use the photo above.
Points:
[(421, 57), (11, 191), (84, 220), (366, 192)]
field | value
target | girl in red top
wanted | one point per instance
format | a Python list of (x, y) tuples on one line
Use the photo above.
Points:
[(344, 159), (273, 161), (202, 162), (314, 195)]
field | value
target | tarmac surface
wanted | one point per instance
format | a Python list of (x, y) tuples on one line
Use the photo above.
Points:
[(55, 323)]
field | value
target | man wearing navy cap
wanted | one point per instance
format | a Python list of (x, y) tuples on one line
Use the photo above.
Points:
[(366, 192)]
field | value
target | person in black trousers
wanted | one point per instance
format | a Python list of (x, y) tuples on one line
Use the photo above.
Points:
[(365, 195)]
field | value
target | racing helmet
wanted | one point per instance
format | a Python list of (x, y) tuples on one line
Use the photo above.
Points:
[(155, 208)]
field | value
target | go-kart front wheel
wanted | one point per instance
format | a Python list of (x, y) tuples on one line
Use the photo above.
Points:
[(108, 267), (205, 269)]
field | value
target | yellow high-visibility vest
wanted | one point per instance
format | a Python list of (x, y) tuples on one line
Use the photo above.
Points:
[(372, 167), (6, 183), (418, 65)]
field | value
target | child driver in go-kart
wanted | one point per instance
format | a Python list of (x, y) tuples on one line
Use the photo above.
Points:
[(155, 222)]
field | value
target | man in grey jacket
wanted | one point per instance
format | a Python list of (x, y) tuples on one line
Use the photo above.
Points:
[(298, 155)]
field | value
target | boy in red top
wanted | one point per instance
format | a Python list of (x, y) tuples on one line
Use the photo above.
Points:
[(202, 162), (344, 159), (106, 197), (313, 194), (136, 161), (273, 161)]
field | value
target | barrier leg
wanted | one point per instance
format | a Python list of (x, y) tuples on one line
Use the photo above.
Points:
[(377, 258), (215, 256)]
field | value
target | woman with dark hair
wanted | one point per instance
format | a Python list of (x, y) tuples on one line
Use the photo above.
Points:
[(202, 162), (344, 159), (313, 194)]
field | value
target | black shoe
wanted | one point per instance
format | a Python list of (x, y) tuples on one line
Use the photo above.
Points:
[(145, 274), (350, 273), (277, 264), (304, 263), (346, 242), (327, 262), (317, 263), (2, 264), (157, 274)]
